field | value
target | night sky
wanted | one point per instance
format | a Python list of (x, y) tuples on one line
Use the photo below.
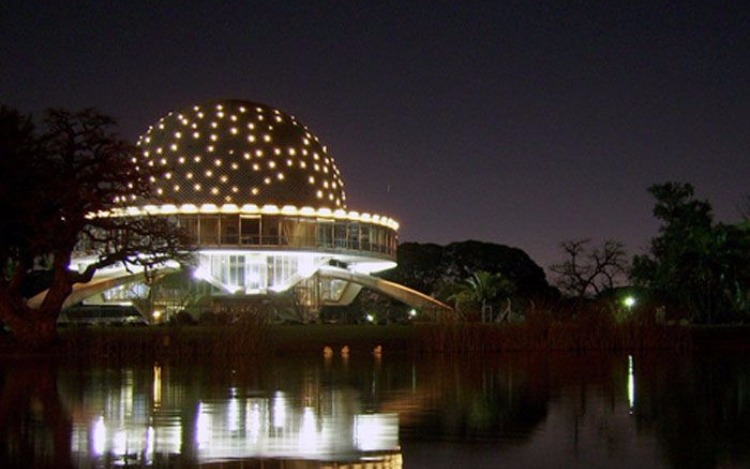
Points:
[(519, 123)]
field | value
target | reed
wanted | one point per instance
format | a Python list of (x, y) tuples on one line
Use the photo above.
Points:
[(585, 332)]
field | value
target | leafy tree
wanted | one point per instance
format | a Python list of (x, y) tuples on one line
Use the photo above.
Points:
[(590, 270), (482, 289), (703, 266), (51, 182), (434, 269)]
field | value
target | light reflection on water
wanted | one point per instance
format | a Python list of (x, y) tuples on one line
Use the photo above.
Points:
[(513, 410)]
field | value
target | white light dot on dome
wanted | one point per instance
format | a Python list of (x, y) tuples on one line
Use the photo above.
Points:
[(197, 187)]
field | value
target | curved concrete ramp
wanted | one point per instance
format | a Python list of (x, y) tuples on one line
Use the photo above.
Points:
[(98, 284), (394, 290)]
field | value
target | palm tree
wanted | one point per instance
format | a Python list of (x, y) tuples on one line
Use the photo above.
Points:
[(482, 289)]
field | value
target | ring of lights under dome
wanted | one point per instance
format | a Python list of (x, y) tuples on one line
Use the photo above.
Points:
[(240, 152)]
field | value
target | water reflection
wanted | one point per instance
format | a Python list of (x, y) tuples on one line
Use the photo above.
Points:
[(382, 412)]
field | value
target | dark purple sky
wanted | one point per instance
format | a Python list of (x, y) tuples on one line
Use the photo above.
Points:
[(519, 123)]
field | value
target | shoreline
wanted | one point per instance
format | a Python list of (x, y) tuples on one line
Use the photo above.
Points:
[(223, 342)]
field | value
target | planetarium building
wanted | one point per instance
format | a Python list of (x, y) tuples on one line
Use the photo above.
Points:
[(265, 208)]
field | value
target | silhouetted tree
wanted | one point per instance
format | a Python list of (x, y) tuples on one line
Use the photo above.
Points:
[(590, 271), (434, 269), (52, 183), (703, 266)]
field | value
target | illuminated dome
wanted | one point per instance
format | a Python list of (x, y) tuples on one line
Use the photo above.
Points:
[(240, 152), (262, 206)]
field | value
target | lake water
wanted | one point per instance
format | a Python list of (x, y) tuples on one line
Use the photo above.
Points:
[(649, 410)]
